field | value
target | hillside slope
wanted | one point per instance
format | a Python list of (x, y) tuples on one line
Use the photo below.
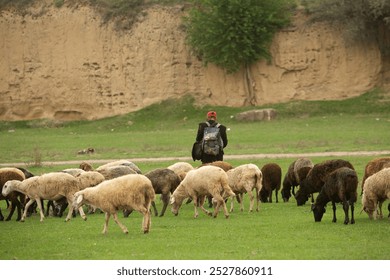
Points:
[(62, 63)]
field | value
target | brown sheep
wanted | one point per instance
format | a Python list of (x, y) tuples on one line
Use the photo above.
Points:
[(288, 182), (373, 167), (16, 198), (272, 179)]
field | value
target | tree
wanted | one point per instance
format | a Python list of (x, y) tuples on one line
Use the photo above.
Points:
[(233, 34)]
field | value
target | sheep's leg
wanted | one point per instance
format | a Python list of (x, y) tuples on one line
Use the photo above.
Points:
[(251, 203), (1, 216), (334, 212), (346, 212), (380, 209), (107, 218), (39, 202), (232, 204), (14, 204), (146, 221), (195, 200), (270, 196), (31, 201), (201, 205), (220, 201), (276, 195), (82, 214), (154, 208), (257, 200), (352, 213), (124, 229), (165, 199)]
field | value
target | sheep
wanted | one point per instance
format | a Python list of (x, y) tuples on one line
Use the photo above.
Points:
[(121, 162), (181, 168), (288, 182), (51, 186), (73, 171), (164, 182), (110, 171), (302, 166), (374, 166), (272, 178), (16, 198), (130, 192), (340, 186), (222, 164), (208, 180), (244, 179), (316, 178), (376, 191), (297, 171), (86, 179)]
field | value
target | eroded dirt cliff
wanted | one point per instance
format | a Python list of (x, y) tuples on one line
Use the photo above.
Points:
[(64, 64)]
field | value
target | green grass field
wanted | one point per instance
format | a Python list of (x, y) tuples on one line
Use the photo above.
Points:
[(280, 231)]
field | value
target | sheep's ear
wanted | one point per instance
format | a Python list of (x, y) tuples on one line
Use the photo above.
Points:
[(313, 206), (172, 200), (79, 199)]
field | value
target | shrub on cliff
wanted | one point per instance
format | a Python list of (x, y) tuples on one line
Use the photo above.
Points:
[(235, 33)]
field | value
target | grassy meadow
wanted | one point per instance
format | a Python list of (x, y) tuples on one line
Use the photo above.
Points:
[(279, 231)]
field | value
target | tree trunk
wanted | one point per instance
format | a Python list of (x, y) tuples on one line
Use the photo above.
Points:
[(249, 86)]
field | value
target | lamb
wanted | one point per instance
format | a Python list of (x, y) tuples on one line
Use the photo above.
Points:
[(130, 192), (181, 168), (244, 179), (6, 174), (297, 171), (340, 186), (208, 180), (376, 191), (316, 178), (272, 178), (51, 186), (374, 166)]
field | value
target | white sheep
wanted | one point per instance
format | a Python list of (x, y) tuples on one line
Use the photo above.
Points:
[(244, 179), (181, 168), (130, 192), (73, 171), (197, 184), (111, 170), (51, 186), (376, 190)]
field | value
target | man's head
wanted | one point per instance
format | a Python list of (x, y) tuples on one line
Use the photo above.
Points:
[(211, 115)]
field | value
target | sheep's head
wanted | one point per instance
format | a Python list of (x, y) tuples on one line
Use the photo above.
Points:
[(301, 197), (9, 187), (286, 194), (318, 212), (175, 204)]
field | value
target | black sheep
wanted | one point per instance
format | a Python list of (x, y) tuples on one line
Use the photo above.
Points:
[(272, 177), (316, 178), (340, 186), (288, 182)]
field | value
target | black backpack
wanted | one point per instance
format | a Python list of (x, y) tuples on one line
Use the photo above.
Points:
[(212, 143)]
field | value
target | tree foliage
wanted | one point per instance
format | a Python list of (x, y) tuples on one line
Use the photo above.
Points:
[(233, 33), (363, 19)]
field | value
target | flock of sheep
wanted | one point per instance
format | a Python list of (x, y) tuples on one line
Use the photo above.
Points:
[(120, 185)]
